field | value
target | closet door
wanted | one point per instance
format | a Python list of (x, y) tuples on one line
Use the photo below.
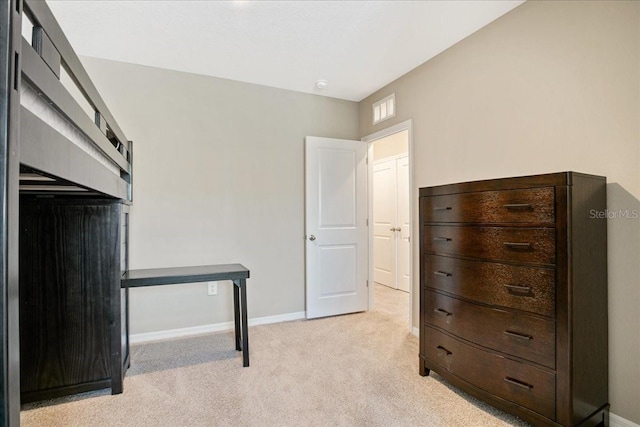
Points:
[(384, 223), (391, 223)]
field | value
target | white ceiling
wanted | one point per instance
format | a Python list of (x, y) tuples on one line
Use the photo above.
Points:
[(358, 46)]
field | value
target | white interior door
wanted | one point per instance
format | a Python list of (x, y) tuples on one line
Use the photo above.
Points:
[(404, 225), (391, 231), (336, 230), (384, 222)]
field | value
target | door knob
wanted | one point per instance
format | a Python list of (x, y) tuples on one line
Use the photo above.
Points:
[(312, 237), (398, 229), (392, 229)]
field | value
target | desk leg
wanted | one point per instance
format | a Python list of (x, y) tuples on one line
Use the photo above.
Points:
[(236, 312), (245, 327)]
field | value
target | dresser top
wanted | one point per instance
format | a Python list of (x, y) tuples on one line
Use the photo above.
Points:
[(531, 181)]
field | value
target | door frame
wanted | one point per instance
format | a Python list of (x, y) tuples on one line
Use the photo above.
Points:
[(370, 139)]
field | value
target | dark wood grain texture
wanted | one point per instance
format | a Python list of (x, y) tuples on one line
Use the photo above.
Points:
[(529, 245), (530, 289), (506, 405), (588, 290), (564, 409), (554, 287), (70, 300), (521, 383), (423, 370), (527, 337), (124, 293), (507, 183), (532, 205)]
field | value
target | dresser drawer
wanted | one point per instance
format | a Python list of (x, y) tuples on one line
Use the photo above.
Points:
[(534, 245), (524, 288), (531, 205), (528, 337), (518, 382)]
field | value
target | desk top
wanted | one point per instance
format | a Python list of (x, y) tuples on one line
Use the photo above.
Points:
[(176, 275)]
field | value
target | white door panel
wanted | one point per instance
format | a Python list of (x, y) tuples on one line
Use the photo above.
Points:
[(338, 273), (336, 231), (383, 265), (391, 224), (337, 188), (384, 219)]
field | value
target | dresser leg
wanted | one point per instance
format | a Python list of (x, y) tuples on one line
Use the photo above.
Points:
[(424, 371)]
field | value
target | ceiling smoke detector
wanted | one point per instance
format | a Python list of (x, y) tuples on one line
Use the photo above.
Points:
[(321, 84)]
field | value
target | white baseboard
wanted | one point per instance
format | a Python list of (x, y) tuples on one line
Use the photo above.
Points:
[(618, 421), (214, 327)]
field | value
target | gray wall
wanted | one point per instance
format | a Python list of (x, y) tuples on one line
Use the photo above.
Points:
[(218, 178), (550, 86)]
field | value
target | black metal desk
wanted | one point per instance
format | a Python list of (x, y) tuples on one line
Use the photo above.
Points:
[(237, 273)]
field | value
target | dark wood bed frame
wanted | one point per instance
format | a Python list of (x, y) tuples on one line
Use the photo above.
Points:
[(30, 149)]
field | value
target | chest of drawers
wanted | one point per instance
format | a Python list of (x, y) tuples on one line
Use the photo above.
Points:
[(513, 294)]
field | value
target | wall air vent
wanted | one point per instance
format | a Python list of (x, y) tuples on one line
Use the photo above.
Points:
[(384, 109)]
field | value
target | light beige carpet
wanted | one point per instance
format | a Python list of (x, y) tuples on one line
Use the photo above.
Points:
[(353, 370)]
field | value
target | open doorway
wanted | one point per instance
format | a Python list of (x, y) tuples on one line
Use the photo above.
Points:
[(390, 224)]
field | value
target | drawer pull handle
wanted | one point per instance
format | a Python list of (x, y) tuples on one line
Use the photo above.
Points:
[(518, 335), (442, 239), (517, 245), (442, 208), (443, 350), (443, 312), (519, 289), (518, 383), (442, 273), (517, 206)]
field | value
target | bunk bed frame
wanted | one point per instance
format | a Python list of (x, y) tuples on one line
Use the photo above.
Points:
[(37, 159)]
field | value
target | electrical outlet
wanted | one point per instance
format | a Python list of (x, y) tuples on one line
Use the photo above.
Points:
[(212, 288)]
